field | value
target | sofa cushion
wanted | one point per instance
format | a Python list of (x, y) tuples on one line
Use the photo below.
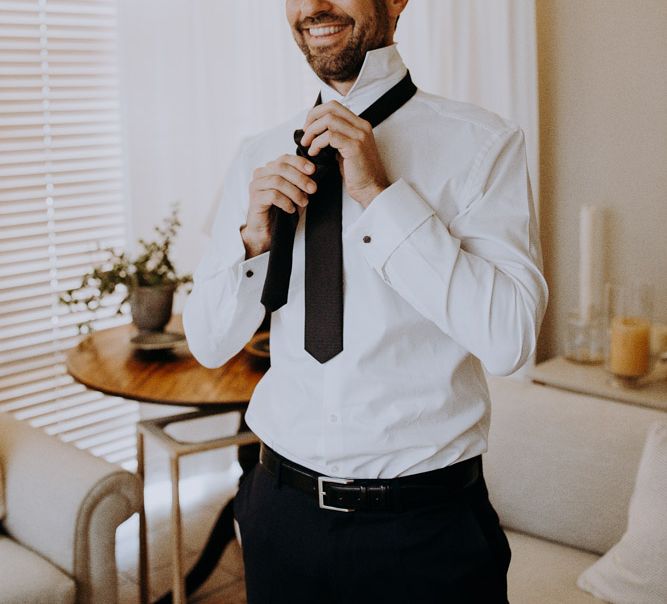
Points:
[(562, 465), (545, 572), (635, 569), (27, 577)]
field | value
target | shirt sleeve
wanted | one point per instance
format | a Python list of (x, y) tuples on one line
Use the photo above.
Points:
[(224, 310), (479, 279)]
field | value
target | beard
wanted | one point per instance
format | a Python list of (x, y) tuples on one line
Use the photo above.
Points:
[(345, 64)]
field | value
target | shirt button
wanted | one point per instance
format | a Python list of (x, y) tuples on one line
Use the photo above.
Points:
[(333, 418), (249, 274), (367, 238)]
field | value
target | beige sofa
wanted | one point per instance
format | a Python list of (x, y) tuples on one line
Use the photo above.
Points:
[(560, 470), (57, 538)]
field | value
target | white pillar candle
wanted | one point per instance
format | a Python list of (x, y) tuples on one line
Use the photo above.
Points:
[(590, 258)]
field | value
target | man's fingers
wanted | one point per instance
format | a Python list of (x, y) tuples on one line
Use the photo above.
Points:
[(334, 107), (280, 184), (330, 121), (296, 177), (272, 197), (345, 145), (294, 169), (320, 142), (299, 163)]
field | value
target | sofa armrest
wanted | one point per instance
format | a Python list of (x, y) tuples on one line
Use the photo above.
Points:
[(66, 504)]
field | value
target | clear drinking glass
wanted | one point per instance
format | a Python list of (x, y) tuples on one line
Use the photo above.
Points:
[(628, 316), (584, 338)]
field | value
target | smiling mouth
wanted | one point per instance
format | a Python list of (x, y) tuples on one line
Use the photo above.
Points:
[(324, 31)]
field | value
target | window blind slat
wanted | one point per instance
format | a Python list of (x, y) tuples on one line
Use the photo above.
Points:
[(67, 190), (39, 106), (15, 336), (76, 411), (65, 226), (25, 208), (108, 437), (11, 308), (55, 166), (38, 261), (34, 362), (74, 420), (90, 250), (126, 442), (86, 401), (101, 235), (25, 390), (88, 141), (29, 376), (24, 403), (126, 457), (102, 427), (74, 237)]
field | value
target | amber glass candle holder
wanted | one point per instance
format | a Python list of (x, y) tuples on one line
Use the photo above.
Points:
[(628, 315)]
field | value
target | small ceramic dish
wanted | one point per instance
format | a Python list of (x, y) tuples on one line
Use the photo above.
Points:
[(158, 340)]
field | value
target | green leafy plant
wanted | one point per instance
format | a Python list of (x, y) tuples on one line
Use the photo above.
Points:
[(152, 267)]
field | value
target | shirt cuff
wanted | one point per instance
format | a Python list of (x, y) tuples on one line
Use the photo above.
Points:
[(251, 273), (388, 221), (222, 255)]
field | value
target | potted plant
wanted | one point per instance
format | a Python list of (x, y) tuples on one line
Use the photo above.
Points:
[(150, 281)]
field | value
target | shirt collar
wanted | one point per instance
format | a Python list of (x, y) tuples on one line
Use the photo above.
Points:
[(382, 68)]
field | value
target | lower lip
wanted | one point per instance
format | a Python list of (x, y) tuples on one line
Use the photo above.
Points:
[(328, 39)]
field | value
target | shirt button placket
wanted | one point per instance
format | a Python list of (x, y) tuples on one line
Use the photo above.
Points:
[(331, 415)]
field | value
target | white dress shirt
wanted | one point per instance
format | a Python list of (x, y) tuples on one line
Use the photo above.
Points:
[(450, 281)]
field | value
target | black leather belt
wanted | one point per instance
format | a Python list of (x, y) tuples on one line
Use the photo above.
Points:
[(383, 494)]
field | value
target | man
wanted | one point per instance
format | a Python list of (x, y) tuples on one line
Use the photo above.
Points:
[(374, 413)]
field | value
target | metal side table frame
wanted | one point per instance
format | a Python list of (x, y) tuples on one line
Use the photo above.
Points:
[(177, 449)]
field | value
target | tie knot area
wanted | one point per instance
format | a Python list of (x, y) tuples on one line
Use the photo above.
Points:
[(324, 161)]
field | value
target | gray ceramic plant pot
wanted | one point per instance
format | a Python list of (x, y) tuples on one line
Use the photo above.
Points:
[(151, 306)]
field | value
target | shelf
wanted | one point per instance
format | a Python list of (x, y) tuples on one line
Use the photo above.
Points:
[(594, 380)]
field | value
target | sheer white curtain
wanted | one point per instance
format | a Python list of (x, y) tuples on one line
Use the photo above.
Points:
[(199, 75)]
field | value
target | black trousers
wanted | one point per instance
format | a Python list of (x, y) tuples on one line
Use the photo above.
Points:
[(294, 552)]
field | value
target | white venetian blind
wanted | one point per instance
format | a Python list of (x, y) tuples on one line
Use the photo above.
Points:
[(61, 203)]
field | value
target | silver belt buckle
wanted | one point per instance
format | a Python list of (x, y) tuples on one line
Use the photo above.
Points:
[(320, 492)]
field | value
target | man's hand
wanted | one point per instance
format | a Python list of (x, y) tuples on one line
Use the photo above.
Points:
[(284, 182), (360, 165)]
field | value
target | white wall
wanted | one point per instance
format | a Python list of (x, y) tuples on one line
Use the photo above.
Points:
[(603, 91)]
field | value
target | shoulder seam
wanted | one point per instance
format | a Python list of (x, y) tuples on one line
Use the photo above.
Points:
[(449, 115), (471, 182)]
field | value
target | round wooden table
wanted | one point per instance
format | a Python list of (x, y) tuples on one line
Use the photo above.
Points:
[(106, 361)]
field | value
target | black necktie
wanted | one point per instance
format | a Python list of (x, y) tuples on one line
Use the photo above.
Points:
[(323, 278)]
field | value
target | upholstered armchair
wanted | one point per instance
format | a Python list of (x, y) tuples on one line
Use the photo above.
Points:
[(61, 510)]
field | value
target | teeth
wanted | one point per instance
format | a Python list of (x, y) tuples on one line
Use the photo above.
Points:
[(325, 31)]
